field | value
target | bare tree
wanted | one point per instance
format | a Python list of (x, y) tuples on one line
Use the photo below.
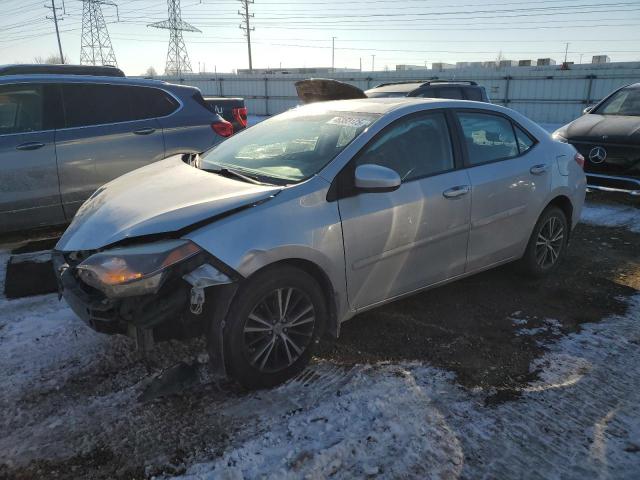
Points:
[(52, 59), (151, 72)]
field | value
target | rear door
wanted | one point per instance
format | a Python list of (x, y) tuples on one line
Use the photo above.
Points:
[(510, 182), (400, 241), (29, 195), (105, 136)]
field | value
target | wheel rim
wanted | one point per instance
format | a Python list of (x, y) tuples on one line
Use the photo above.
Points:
[(279, 329), (549, 242)]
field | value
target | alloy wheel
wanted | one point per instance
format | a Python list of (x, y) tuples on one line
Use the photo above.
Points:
[(279, 329), (549, 242)]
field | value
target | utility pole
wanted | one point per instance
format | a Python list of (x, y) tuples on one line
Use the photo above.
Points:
[(333, 54), (566, 50), (177, 56), (246, 27), (373, 63), (95, 44), (360, 63), (54, 11)]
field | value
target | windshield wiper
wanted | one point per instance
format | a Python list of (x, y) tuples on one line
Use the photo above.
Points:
[(230, 173)]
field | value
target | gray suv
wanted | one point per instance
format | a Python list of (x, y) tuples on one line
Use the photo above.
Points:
[(67, 131)]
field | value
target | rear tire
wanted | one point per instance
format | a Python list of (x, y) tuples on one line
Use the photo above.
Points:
[(547, 243), (273, 326)]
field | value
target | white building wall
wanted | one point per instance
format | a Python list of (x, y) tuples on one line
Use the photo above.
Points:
[(546, 94)]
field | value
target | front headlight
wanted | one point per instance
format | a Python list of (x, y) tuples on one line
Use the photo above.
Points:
[(557, 136), (137, 270)]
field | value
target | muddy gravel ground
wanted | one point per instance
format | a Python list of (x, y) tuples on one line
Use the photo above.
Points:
[(75, 404)]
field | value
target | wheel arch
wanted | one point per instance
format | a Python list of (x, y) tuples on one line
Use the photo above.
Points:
[(564, 203)]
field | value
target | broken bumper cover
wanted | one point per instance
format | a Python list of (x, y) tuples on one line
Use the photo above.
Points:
[(181, 295)]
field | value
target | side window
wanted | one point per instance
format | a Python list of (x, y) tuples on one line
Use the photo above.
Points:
[(150, 103), (429, 92), (473, 94), (453, 93), (525, 142), (95, 104), (21, 108), (488, 137), (414, 147)]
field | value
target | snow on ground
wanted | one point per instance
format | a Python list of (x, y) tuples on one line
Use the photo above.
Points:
[(579, 420), (66, 388), (609, 215), (253, 119)]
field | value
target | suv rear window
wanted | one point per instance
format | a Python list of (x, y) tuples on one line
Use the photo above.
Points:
[(151, 102), (473, 94)]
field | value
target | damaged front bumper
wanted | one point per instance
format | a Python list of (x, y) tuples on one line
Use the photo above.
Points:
[(180, 309)]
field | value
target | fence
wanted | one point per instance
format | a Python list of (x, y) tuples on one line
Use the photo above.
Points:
[(545, 94)]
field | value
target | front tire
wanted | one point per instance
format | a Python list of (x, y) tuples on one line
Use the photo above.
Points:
[(273, 326), (547, 243)]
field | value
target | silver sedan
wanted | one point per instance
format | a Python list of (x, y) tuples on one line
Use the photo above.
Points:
[(293, 226)]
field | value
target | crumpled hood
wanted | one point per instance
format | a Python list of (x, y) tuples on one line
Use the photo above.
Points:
[(593, 127), (163, 197)]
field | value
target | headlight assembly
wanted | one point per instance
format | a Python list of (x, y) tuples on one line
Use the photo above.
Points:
[(136, 270)]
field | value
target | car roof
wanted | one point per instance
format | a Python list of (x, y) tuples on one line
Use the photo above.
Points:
[(34, 77), (410, 86), (387, 104), (397, 87)]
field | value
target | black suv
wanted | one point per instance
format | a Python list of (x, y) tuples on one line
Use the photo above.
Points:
[(608, 136), (324, 89), (458, 90)]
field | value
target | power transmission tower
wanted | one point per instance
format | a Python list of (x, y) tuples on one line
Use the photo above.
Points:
[(177, 56), (246, 26), (54, 11), (95, 45)]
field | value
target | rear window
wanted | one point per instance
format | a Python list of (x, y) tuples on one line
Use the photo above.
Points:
[(474, 94), (151, 102)]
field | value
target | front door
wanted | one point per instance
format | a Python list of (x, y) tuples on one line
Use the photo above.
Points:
[(29, 195), (102, 139), (397, 242)]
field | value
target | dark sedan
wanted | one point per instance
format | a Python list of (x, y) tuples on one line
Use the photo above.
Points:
[(608, 136)]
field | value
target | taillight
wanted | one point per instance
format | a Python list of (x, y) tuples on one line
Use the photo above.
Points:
[(579, 160), (222, 128), (240, 114)]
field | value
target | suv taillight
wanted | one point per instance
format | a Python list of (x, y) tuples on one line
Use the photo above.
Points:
[(240, 114), (222, 128), (579, 160)]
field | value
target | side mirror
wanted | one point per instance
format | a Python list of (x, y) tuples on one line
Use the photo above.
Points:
[(587, 110), (376, 178)]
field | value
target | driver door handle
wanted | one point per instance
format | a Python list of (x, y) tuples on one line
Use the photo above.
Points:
[(145, 131), (455, 192), (30, 146), (539, 169)]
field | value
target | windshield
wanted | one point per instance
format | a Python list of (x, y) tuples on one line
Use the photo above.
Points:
[(624, 102), (288, 148)]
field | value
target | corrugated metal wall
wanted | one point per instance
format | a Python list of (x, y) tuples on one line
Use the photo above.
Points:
[(544, 94)]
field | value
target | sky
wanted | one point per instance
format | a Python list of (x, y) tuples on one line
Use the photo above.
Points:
[(299, 33)]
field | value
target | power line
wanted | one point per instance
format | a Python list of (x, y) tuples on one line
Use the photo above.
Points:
[(246, 26), (95, 44), (177, 56)]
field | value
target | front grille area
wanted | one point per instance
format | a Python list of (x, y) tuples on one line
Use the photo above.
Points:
[(621, 159)]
